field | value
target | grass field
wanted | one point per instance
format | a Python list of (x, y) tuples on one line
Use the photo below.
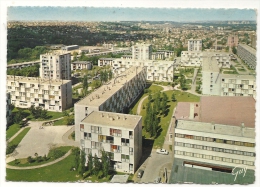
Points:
[(12, 130), (58, 172), (20, 136), (152, 89), (24, 162), (165, 120)]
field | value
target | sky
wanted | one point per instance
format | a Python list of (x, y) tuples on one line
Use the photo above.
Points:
[(19, 13)]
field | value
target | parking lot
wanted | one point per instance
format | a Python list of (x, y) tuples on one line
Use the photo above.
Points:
[(153, 166)]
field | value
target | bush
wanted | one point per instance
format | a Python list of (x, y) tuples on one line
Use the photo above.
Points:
[(29, 159), (39, 159), (10, 148), (16, 161), (56, 153)]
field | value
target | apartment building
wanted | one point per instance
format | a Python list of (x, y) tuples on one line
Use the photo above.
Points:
[(232, 41), (247, 54), (8, 108), (142, 51), (162, 54), (194, 45), (80, 65), (216, 83), (55, 66), (217, 133), (194, 58), (115, 96), (70, 47), (210, 77), (238, 85), (115, 133), (156, 70), (52, 95), (105, 61)]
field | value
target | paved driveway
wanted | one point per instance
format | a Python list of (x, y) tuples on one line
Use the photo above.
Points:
[(154, 165), (39, 140)]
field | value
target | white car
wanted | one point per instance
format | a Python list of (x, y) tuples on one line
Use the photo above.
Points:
[(162, 151)]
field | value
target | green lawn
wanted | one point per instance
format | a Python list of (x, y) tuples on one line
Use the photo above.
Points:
[(20, 136), (51, 115), (60, 122), (24, 162), (12, 130), (58, 172), (152, 89), (165, 121)]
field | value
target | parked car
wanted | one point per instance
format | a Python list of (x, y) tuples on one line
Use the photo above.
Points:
[(140, 173), (157, 180), (162, 151)]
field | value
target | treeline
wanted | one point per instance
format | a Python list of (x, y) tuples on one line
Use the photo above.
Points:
[(28, 54), (31, 71)]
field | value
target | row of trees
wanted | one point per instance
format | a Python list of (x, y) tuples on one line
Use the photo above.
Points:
[(95, 166), (31, 71), (155, 106), (38, 112)]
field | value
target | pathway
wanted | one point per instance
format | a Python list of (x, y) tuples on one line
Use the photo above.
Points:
[(39, 166)]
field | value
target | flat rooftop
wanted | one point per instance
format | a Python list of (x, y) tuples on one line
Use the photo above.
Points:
[(226, 110), (36, 80), (241, 77), (99, 96), (248, 48), (210, 64), (112, 119), (56, 53), (23, 63), (230, 110), (81, 62)]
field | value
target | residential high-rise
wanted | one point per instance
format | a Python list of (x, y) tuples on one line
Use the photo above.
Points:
[(247, 54), (232, 41), (120, 135), (194, 45), (142, 51), (55, 66)]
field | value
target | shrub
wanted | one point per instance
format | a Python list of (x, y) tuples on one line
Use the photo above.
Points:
[(56, 153), (39, 159), (10, 148), (16, 161), (29, 159)]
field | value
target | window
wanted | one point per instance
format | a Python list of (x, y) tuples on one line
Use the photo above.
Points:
[(81, 127)]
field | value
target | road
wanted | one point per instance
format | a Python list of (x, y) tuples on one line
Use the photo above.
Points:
[(154, 165)]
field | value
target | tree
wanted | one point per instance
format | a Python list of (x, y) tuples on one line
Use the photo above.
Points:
[(173, 97), (85, 85), (82, 167), (234, 50), (150, 98), (90, 163), (164, 103), (69, 120), (147, 117), (105, 162), (97, 165), (76, 152), (154, 123), (65, 113)]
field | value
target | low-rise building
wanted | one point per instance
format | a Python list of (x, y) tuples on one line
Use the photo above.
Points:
[(195, 58), (53, 95), (247, 54), (217, 133), (120, 135), (80, 65), (105, 61)]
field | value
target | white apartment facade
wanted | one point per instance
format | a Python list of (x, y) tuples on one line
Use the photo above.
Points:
[(142, 51), (105, 61), (115, 96), (194, 45), (55, 66), (156, 70), (195, 58), (216, 83), (248, 54), (52, 95), (210, 77), (238, 85), (226, 139), (115, 133), (80, 65)]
